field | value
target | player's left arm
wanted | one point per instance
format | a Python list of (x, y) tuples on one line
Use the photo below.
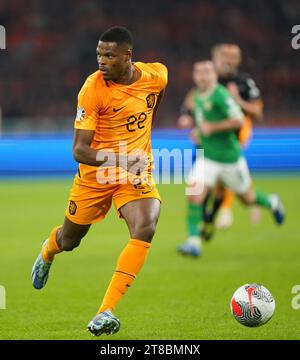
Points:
[(159, 99), (160, 83), (254, 105)]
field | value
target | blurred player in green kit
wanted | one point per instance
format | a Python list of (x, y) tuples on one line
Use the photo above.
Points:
[(217, 119)]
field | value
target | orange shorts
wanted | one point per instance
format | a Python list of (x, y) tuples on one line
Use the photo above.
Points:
[(89, 202)]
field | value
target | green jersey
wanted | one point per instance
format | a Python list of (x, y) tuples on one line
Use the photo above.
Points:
[(216, 107)]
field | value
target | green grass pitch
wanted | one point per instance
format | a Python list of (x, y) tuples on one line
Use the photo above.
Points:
[(173, 297)]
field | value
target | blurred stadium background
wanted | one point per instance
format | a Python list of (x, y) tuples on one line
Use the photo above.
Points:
[(50, 51)]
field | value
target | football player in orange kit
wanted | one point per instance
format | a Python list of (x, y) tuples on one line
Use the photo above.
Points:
[(116, 106)]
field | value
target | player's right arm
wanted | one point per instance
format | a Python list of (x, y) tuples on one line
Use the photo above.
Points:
[(186, 120), (82, 151), (89, 106), (84, 154)]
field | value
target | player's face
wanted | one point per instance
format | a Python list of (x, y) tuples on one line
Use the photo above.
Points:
[(227, 59), (113, 60), (204, 75)]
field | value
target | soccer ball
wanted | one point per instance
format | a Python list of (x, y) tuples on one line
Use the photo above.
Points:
[(252, 305)]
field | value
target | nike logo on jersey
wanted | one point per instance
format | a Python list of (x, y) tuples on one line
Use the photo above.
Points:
[(115, 110)]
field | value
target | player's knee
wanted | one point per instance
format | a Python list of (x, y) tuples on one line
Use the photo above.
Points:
[(195, 199), (248, 199), (144, 232)]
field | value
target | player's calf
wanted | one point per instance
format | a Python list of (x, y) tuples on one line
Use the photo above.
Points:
[(68, 244), (71, 235)]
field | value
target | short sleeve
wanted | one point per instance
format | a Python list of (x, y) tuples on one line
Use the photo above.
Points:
[(162, 71), (87, 107)]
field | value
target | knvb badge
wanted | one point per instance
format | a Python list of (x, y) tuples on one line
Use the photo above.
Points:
[(2, 37)]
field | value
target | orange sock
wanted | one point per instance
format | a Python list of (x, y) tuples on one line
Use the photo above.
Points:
[(51, 248), (129, 264), (228, 199)]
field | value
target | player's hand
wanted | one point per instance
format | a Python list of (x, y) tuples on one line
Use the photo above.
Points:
[(185, 122), (194, 136), (206, 128), (135, 163), (234, 90)]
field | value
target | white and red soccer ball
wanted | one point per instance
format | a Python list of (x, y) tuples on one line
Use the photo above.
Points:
[(252, 305)]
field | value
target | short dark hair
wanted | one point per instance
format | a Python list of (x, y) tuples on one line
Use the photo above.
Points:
[(219, 46), (119, 35), (202, 59), (216, 48)]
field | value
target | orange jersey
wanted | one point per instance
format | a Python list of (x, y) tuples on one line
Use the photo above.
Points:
[(121, 112), (120, 115)]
